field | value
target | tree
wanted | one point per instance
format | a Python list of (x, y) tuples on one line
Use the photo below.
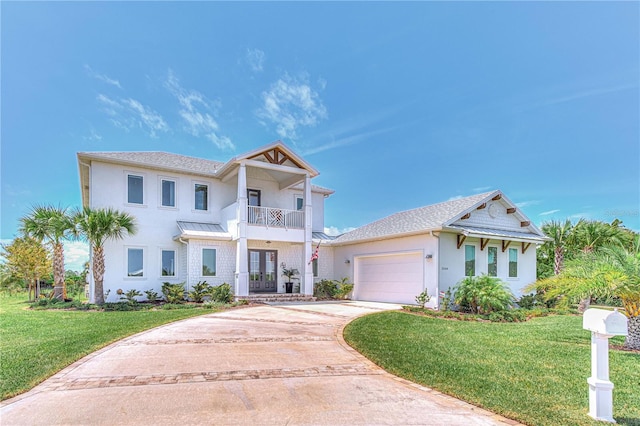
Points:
[(612, 271), (29, 260), (589, 235), (561, 239), (98, 226), (53, 225)]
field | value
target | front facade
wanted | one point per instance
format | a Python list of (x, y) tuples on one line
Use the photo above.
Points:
[(243, 221)]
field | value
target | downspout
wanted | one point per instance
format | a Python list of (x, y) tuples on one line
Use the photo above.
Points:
[(437, 236), (188, 264)]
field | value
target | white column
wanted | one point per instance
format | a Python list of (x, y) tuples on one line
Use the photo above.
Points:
[(308, 243), (242, 262)]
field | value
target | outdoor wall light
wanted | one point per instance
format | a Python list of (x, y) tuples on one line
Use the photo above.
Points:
[(429, 256), (346, 262), (268, 242)]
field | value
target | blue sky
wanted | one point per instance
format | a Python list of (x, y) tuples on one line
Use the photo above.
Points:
[(398, 105)]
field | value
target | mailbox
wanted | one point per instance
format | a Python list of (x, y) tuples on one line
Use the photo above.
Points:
[(603, 325), (608, 323)]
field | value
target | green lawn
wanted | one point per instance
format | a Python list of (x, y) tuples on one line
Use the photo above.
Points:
[(534, 372), (36, 344)]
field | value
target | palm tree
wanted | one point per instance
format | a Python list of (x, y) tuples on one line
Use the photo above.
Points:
[(592, 234), (611, 271), (97, 226), (54, 225), (561, 238)]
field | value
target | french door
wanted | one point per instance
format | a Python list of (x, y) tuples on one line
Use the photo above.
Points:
[(263, 271)]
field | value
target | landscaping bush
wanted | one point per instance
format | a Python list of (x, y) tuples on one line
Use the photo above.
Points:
[(131, 296), (483, 295), (173, 293), (152, 296), (199, 291), (423, 298), (325, 289), (344, 288), (530, 301), (221, 293)]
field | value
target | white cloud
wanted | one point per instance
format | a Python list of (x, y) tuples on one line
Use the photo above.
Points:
[(255, 58), (481, 189), (93, 135), (291, 103), (455, 197), (102, 77), (75, 254), (547, 213), (527, 203), (334, 231), (129, 113), (194, 107)]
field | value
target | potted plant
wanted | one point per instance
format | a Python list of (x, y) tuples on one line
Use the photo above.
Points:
[(290, 273)]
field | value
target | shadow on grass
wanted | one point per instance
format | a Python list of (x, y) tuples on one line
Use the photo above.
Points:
[(628, 421)]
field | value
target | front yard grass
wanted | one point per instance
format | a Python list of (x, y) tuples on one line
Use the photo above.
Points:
[(534, 372), (35, 344)]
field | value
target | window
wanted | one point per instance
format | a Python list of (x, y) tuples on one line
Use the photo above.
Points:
[(168, 263), (201, 196), (469, 260), (208, 262), (134, 189), (513, 263), (314, 264), (253, 196), (168, 193), (299, 202), (492, 261), (135, 262)]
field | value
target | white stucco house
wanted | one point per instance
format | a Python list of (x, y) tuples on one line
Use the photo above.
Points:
[(239, 221)]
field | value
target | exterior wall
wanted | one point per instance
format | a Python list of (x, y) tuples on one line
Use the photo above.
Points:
[(425, 244), (225, 262), (452, 263)]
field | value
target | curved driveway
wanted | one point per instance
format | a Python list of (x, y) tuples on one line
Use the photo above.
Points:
[(265, 365)]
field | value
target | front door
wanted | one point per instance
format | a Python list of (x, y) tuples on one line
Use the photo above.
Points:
[(263, 274)]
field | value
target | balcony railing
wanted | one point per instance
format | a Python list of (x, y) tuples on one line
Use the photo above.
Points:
[(277, 218)]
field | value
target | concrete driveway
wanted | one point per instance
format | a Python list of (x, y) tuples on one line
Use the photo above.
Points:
[(264, 365)]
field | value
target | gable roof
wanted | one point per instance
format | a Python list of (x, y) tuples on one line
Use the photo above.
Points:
[(434, 217)]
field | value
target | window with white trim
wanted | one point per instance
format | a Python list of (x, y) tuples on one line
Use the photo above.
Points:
[(469, 260), (135, 262), (492, 261), (299, 202), (135, 189), (208, 262), (513, 263), (201, 196), (168, 193), (168, 259)]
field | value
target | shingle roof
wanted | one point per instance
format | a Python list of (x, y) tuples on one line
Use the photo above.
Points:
[(418, 220), (160, 160)]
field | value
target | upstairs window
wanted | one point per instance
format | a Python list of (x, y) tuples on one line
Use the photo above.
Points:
[(201, 197), (469, 261), (168, 193), (513, 263), (492, 261), (135, 189)]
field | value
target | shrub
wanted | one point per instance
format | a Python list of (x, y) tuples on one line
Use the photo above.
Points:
[(199, 291), (221, 293), (325, 289), (423, 298), (152, 296), (483, 294), (531, 301), (131, 296), (173, 293), (344, 288)]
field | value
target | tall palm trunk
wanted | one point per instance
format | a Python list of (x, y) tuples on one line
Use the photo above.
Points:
[(558, 261), (632, 309), (98, 275), (59, 289)]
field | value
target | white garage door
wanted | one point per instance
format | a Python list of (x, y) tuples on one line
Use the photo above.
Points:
[(396, 278)]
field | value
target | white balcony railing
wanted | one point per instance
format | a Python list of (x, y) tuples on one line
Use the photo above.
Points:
[(277, 218)]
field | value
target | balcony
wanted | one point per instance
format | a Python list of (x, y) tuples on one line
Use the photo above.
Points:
[(275, 218)]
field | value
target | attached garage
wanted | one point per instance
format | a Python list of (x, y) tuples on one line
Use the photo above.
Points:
[(396, 278)]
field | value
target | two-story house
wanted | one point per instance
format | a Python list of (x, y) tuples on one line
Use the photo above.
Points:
[(241, 221)]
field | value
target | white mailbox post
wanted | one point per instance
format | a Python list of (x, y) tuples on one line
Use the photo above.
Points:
[(603, 325)]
